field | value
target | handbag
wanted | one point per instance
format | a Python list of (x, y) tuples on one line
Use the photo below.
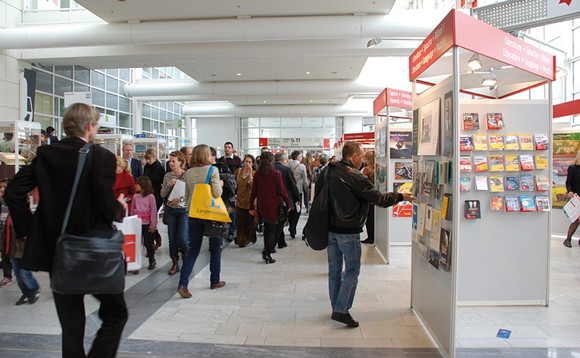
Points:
[(205, 206), (316, 228), (215, 229), (283, 211), (90, 263)]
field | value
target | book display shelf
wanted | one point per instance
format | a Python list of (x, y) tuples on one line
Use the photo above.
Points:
[(393, 167), (113, 142), (481, 173)]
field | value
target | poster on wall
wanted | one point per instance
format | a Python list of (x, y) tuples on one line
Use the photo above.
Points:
[(400, 145), (404, 209), (382, 150), (429, 128), (381, 177), (448, 124), (403, 171)]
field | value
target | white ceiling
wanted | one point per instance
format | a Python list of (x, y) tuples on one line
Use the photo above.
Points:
[(288, 55)]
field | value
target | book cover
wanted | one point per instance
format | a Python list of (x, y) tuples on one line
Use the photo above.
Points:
[(526, 162), (445, 250), (542, 183), (472, 209), (512, 182), (526, 142), (428, 218), (435, 228), (494, 121), (527, 203), (496, 183), (403, 171), (480, 163), (542, 203), (481, 183), (465, 165), (527, 182), (496, 203), (496, 163), (414, 216), (542, 142), (421, 214), (480, 142), (512, 203), (434, 258), (511, 142), (470, 121), (512, 163), (496, 142), (541, 161), (465, 143), (465, 183), (446, 211)]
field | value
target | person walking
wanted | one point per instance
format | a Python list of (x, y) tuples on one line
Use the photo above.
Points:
[(246, 225), (134, 164), (154, 170), (94, 208), (281, 163), (143, 205), (349, 193), (573, 187), (369, 171)]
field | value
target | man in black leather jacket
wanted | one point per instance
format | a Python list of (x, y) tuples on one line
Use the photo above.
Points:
[(350, 192), (281, 160)]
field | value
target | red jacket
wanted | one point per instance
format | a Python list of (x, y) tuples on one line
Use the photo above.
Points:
[(125, 184), (264, 189)]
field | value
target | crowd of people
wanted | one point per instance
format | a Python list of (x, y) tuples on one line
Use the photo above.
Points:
[(262, 195)]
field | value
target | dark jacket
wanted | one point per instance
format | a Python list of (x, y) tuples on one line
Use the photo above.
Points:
[(230, 187), (573, 179), (289, 183), (233, 163), (264, 189), (136, 168), (53, 172), (350, 192), (155, 172)]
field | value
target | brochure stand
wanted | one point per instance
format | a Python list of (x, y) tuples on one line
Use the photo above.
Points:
[(142, 144), (20, 139), (462, 249), (393, 169), (113, 142)]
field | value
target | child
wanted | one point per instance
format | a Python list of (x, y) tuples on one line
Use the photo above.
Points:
[(14, 247), (143, 205)]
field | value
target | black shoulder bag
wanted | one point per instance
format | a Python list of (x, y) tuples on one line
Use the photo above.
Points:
[(91, 263), (283, 211), (316, 228)]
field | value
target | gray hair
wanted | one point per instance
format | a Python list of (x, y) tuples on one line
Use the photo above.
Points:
[(280, 156)]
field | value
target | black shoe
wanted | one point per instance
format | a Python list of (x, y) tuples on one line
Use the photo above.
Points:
[(281, 246), (267, 258), (273, 251), (368, 241), (29, 298), (293, 236), (152, 263), (345, 318), (567, 243)]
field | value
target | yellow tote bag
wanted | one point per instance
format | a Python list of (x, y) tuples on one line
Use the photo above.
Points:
[(205, 206)]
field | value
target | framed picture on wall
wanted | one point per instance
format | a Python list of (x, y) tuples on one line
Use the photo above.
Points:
[(401, 145)]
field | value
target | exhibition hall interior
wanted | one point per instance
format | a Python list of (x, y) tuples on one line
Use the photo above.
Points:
[(472, 107)]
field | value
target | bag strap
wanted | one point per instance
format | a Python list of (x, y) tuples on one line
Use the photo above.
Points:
[(83, 153), (207, 179)]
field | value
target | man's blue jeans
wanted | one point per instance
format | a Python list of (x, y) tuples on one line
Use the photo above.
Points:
[(26, 282), (343, 248)]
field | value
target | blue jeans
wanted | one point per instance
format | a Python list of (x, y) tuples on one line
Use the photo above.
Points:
[(195, 240), (26, 282), (177, 230), (343, 248)]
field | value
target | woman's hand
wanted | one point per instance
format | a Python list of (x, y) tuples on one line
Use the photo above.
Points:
[(172, 181), (175, 201), (570, 194), (252, 212), (152, 229)]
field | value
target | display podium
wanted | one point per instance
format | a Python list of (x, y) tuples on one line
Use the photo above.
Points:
[(393, 169), (20, 139), (481, 173)]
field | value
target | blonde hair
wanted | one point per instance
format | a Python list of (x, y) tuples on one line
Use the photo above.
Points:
[(123, 163), (369, 158), (77, 117), (151, 154), (200, 155)]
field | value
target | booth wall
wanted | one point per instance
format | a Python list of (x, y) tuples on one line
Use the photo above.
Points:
[(216, 131), (10, 70)]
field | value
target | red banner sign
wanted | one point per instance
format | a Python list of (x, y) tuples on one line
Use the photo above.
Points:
[(399, 98), (364, 137), (263, 142)]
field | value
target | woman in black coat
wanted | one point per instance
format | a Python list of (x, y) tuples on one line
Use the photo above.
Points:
[(154, 171), (573, 187)]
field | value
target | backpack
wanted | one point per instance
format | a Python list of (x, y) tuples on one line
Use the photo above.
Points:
[(316, 228)]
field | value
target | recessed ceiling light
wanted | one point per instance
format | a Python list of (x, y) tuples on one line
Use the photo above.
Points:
[(307, 72), (311, 101), (265, 101), (238, 74)]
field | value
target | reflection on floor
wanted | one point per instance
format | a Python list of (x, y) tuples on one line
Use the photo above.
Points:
[(282, 309)]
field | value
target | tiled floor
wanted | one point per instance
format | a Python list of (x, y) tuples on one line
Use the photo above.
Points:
[(282, 309)]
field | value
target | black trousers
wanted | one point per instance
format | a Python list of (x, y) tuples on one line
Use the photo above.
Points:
[(293, 217), (370, 224), (271, 235), (71, 314)]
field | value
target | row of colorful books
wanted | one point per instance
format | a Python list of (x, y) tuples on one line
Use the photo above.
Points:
[(500, 163), (521, 203), (469, 142), (499, 183), (494, 121)]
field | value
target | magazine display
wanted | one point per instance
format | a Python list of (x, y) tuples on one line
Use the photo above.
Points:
[(527, 182), (496, 163), (470, 121), (496, 183), (511, 142), (479, 142), (465, 183), (472, 209), (445, 250), (512, 182), (527, 203), (480, 163), (481, 183), (542, 203), (512, 204), (494, 121), (542, 183), (496, 203), (465, 165), (526, 142), (541, 161), (512, 163), (465, 143), (542, 142), (526, 162), (496, 142)]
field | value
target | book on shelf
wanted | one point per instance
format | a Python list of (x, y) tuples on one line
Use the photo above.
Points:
[(496, 163), (496, 203), (527, 182), (526, 162), (434, 258), (541, 141), (512, 182), (414, 216), (542, 183), (445, 245), (481, 183), (428, 218), (496, 142), (541, 161), (512, 163), (526, 142), (496, 183), (442, 172), (465, 143), (436, 224), (480, 163), (465, 165), (447, 206), (494, 121), (470, 121), (542, 203), (472, 209), (465, 183), (512, 203), (527, 203), (480, 142), (421, 214), (511, 142)]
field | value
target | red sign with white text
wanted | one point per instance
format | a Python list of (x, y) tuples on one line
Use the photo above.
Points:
[(399, 98), (326, 143), (365, 137), (263, 142)]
